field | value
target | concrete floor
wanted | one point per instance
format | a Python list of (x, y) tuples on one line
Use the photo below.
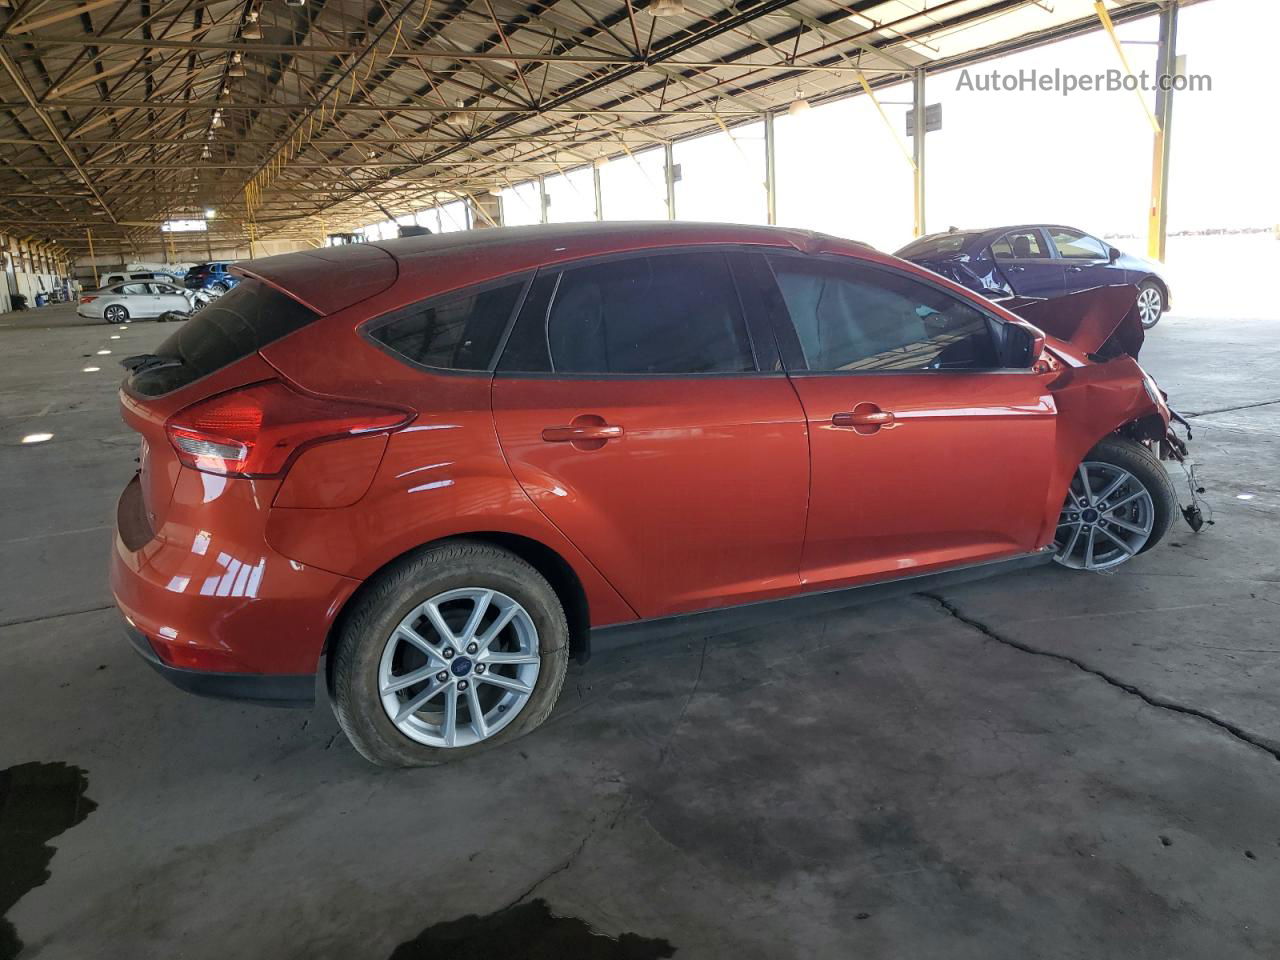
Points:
[(1047, 765)]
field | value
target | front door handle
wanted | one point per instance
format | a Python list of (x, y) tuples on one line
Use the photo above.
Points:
[(1017, 269), (575, 433), (867, 418), (1076, 269)]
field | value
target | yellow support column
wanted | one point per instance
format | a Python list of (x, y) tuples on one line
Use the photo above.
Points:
[(92, 259)]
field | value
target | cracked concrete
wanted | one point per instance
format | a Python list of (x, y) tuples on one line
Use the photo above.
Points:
[(898, 780), (1152, 700)]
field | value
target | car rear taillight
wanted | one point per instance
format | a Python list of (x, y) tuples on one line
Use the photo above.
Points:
[(254, 431), (88, 299)]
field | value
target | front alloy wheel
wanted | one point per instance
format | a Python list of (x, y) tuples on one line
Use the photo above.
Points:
[(115, 314), (459, 668), (1120, 503), (1150, 305)]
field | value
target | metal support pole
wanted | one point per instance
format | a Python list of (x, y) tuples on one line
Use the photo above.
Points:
[(770, 171), (918, 150), (93, 260), (1166, 66), (669, 153), (599, 193), (542, 200)]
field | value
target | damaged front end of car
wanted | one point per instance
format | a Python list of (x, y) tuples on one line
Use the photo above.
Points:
[(1111, 392)]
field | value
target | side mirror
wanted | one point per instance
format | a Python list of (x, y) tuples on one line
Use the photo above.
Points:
[(1113, 254), (1023, 346)]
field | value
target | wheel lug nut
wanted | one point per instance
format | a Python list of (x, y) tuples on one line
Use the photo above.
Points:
[(442, 676), (479, 668), (448, 653), (472, 648), (462, 684)]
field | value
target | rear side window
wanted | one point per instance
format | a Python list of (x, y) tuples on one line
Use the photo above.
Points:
[(237, 324), (859, 319), (454, 332), (1020, 245), (673, 313)]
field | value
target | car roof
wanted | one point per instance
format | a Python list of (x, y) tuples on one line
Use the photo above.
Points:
[(329, 279)]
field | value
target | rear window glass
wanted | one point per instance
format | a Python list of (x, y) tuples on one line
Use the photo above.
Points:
[(237, 324), (453, 332), (933, 246)]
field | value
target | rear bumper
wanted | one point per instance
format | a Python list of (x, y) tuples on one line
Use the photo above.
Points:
[(213, 604), (274, 690)]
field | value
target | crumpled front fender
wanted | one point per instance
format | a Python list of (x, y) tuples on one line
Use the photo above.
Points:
[(1093, 401)]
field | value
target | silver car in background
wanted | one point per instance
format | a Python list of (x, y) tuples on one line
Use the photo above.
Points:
[(138, 300)]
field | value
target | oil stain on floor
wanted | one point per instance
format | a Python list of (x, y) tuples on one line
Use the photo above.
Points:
[(38, 801), (527, 931)]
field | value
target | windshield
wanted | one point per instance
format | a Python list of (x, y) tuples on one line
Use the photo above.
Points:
[(937, 245)]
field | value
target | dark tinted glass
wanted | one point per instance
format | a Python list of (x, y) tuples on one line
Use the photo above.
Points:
[(672, 313), (456, 332), (230, 328), (860, 319)]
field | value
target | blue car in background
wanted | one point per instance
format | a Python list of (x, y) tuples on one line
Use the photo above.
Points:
[(214, 277), (1039, 260)]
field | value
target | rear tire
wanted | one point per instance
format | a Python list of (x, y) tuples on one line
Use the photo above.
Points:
[(1126, 510), (1150, 303), (388, 636), (218, 288)]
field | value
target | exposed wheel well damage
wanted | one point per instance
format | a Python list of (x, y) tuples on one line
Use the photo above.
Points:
[(542, 558)]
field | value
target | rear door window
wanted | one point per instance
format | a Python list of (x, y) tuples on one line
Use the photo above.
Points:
[(1020, 245), (457, 331), (237, 324), (676, 313), (133, 289)]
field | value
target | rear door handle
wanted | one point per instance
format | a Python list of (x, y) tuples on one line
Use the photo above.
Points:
[(863, 418), (1076, 269), (1017, 269), (573, 434)]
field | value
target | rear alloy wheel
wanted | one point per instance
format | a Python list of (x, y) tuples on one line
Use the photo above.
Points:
[(1150, 304), (218, 288), (450, 651), (1120, 504), (115, 314)]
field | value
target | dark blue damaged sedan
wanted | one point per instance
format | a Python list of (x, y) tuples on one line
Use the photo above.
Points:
[(1039, 260)]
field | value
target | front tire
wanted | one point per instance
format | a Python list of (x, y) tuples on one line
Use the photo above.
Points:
[(116, 314), (452, 650), (1150, 303), (1120, 504), (218, 288)]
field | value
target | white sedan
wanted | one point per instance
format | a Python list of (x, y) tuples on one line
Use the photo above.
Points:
[(138, 300)]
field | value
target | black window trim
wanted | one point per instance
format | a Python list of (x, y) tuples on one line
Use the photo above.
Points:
[(762, 344), (791, 336), (368, 328)]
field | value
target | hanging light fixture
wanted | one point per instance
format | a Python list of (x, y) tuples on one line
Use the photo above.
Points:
[(666, 8), (799, 104), (206, 153), (252, 29), (236, 67), (458, 119), (217, 120)]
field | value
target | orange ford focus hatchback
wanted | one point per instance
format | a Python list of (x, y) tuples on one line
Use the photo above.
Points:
[(418, 476)]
